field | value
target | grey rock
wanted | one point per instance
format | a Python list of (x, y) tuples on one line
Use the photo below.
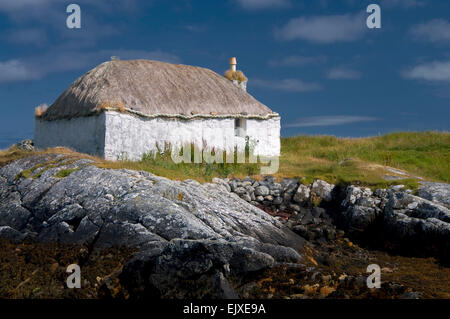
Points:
[(322, 190), (353, 194), (302, 194), (191, 269), (240, 190), (359, 218), (409, 216), (262, 191), (11, 234), (223, 182), (289, 185), (397, 187), (277, 200), (124, 207), (435, 192), (26, 145), (191, 237)]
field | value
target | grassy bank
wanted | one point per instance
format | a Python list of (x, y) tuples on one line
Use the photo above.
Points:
[(424, 154), (337, 160)]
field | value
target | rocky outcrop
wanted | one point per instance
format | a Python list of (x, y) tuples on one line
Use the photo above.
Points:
[(385, 214), (409, 216), (435, 192), (415, 224), (61, 199)]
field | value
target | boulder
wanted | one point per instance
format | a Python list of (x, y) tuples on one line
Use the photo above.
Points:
[(302, 194), (435, 192), (262, 191), (322, 190)]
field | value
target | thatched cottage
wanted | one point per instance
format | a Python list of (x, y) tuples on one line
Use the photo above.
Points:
[(124, 109)]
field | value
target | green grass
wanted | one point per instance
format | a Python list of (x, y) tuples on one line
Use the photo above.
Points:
[(163, 165), (66, 172), (424, 154), (336, 160)]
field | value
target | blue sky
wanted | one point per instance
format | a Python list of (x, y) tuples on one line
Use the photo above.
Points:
[(314, 62)]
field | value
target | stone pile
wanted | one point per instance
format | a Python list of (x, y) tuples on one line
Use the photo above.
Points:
[(288, 194)]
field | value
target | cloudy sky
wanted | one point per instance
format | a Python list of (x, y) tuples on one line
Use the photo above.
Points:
[(314, 62)]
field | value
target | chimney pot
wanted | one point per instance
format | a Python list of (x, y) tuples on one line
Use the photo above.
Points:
[(233, 63)]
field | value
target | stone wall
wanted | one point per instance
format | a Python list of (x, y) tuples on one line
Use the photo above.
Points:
[(117, 136), (83, 134), (130, 137)]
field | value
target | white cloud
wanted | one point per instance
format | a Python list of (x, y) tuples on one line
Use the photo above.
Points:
[(290, 85), (51, 15), (39, 66), (437, 71), (324, 29), (14, 70), (263, 4), (297, 60), (437, 30), (330, 120), (343, 73), (403, 3)]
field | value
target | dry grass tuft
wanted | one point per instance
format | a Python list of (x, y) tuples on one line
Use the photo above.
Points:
[(235, 75), (40, 110), (118, 105)]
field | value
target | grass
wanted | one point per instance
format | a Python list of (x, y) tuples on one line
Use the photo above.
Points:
[(346, 160), (118, 105), (66, 172), (235, 75), (40, 110), (337, 160)]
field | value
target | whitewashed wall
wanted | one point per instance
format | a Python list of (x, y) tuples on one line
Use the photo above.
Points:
[(83, 134), (117, 136), (130, 137)]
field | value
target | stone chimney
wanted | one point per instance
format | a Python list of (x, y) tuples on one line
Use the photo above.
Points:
[(243, 84)]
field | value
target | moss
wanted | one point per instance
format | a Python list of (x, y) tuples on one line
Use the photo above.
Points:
[(24, 174), (66, 172), (235, 75)]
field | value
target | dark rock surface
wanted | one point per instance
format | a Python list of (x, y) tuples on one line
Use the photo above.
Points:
[(196, 241), (184, 230), (412, 222)]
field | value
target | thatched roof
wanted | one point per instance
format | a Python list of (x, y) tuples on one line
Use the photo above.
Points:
[(152, 88)]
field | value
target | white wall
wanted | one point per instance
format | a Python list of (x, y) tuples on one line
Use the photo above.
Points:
[(128, 136), (82, 134), (116, 136)]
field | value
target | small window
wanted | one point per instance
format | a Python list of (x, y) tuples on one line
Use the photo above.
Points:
[(239, 127)]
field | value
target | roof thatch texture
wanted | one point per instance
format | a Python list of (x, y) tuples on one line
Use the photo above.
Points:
[(152, 88)]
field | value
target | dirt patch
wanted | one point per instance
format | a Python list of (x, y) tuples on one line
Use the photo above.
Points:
[(32, 270), (338, 271)]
